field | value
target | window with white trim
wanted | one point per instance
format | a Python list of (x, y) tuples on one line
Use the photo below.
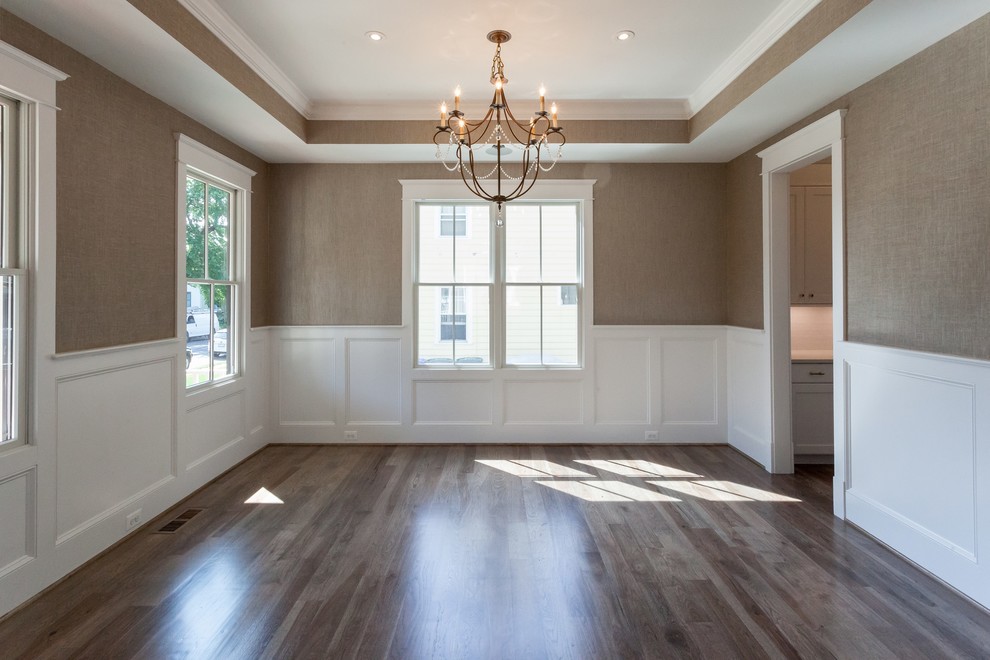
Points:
[(507, 297), (214, 199), (13, 276)]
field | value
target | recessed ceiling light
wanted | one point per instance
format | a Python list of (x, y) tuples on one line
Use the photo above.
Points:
[(375, 35), (625, 35)]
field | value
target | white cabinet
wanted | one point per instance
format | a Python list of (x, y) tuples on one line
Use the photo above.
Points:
[(811, 245), (811, 408)]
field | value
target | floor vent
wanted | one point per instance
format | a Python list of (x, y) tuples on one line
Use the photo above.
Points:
[(180, 520)]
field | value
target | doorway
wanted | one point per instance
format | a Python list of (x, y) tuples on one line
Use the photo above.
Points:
[(820, 140)]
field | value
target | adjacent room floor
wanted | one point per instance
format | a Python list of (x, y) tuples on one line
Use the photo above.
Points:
[(500, 552)]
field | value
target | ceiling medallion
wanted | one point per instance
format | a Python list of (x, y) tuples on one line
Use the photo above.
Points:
[(524, 147)]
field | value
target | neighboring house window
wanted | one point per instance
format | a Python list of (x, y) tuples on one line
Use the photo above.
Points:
[(453, 221), (453, 320), (13, 276), (521, 284), (214, 272)]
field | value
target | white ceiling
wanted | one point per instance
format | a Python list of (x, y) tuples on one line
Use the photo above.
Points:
[(318, 60), (431, 47)]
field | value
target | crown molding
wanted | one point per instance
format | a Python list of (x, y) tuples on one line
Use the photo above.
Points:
[(633, 109), (775, 26), (223, 26), (765, 36)]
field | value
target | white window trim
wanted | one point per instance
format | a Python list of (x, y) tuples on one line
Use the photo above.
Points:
[(452, 191), (194, 159), (32, 83)]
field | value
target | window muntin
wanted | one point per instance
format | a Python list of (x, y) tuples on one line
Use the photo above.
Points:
[(537, 288), (13, 279), (210, 285)]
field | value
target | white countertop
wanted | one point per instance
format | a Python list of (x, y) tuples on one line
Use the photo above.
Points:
[(812, 356)]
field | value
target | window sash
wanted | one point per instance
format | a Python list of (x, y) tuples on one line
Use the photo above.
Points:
[(13, 276), (231, 282)]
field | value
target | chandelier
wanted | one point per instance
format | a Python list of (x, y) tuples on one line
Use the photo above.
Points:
[(526, 148)]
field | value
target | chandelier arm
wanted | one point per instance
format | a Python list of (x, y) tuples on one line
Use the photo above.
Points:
[(513, 123), (474, 185), (515, 193)]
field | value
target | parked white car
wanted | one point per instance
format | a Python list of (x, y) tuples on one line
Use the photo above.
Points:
[(220, 343), (198, 324)]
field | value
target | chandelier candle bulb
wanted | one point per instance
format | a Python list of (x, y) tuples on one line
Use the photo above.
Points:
[(553, 114), (543, 99), (443, 114), (457, 98)]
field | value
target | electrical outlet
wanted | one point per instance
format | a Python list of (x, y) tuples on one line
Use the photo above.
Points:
[(350, 435), (652, 435), (132, 520)]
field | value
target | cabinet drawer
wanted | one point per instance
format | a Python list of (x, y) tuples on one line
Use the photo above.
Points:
[(811, 372)]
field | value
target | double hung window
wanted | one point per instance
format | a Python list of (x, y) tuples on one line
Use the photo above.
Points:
[(210, 285), (13, 277), (507, 297)]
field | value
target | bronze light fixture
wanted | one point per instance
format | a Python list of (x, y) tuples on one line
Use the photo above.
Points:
[(525, 148)]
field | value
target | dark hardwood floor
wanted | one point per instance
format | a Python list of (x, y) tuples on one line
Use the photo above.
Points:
[(502, 552)]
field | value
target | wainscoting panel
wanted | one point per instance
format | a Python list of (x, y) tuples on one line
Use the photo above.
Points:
[(374, 381), (543, 402), (116, 429), (689, 373), (214, 427), (306, 392), (748, 393), (452, 402), (918, 458), (17, 506), (259, 393), (622, 380)]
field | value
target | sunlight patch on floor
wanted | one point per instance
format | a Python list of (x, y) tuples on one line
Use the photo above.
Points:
[(747, 491), (584, 491), (571, 481), (615, 468), (700, 491), (525, 468), (655, 469), (264, 496), (631, 491)]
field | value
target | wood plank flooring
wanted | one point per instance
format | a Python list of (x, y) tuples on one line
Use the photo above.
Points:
[(502, 552)]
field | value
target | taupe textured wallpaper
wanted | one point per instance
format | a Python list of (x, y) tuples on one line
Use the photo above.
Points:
[(337, 246), (116, 224), (744, 243), (917, 203)]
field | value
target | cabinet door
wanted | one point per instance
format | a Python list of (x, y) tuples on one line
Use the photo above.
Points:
[(797, 246), (818, 246), (812, 421)]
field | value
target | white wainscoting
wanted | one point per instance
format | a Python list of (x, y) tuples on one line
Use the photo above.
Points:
[(748, 375), (126, 437), (917, 452), (116, 428), (18, 541), (358, 384)]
